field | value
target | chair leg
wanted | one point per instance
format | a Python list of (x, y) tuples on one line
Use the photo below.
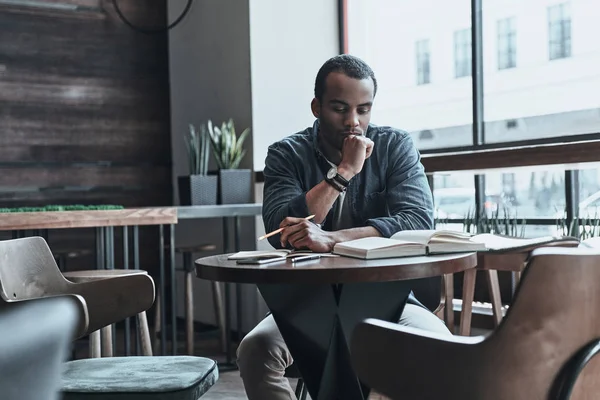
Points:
[(189, 313), (107, 345), (467, 302), (157, 326), (219, 312), (301, 390), (95, 347), (448, 281), (495, 297), (146, 343)]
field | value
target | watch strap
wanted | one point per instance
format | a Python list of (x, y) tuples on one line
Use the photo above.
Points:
[(341, 180), (336, 186)]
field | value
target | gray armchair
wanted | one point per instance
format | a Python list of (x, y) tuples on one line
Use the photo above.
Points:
[(28, 271), (35, 339)]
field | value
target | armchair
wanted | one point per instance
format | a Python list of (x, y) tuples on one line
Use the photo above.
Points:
[(34, 346), (28, 272), (543, 348)]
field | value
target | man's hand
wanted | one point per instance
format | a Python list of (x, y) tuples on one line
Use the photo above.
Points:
[(355, 151), (303, 234)]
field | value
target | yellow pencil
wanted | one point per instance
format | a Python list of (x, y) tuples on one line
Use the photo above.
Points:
[(276, 231)]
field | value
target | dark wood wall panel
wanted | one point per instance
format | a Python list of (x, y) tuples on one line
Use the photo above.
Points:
[(81, 87), (84, 175), (84, 111)]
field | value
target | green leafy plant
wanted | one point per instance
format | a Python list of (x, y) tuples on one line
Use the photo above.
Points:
[(581, 228), (197, 145), (484, 222), (227, 146)]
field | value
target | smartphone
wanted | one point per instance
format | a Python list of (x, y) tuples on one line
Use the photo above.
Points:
[(260, 260)]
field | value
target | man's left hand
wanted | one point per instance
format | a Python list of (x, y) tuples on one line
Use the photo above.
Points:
[(303, 234)]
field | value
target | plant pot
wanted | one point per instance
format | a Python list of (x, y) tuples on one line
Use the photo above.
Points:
[(197, 190), (235, 186)]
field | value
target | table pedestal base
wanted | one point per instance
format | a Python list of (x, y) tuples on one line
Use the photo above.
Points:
[(316, 322)]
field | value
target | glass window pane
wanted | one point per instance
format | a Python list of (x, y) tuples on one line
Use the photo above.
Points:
[(453, 195), (589, 192), (527, 192), (553, 89), (384, 33)]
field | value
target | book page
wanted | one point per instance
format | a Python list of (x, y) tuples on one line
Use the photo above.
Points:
[(370, 243), (497, 242), (417, 236), (426, 236)]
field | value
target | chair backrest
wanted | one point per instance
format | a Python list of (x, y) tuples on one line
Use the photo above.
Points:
[(34, 341), (555, 313), (28, 269)]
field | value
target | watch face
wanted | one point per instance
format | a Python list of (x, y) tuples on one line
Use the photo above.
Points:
[(332, 173)]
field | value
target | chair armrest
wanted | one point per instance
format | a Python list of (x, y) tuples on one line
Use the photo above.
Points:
[(78, 301), (97, 274), (112, 300), (410, 363)]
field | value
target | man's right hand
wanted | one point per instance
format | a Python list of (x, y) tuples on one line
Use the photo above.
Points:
[(355, 151)]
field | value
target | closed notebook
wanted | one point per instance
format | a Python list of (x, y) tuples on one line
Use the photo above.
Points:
[(267, 254), (424, 242)]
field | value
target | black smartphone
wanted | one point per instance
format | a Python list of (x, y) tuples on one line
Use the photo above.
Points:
[(260, 260)]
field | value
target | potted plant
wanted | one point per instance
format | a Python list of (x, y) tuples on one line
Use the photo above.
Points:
[(235, 185), (198, 188)]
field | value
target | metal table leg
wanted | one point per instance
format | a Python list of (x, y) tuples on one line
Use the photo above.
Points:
[(136, 265), (238, 287), (173, 292), (163, 319), (127, 329)]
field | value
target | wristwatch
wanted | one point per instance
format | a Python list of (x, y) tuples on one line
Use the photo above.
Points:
[(333, 174)]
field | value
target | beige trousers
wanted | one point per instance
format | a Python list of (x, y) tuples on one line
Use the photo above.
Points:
[(263, 356)]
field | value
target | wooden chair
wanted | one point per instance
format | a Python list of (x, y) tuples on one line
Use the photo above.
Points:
[(103, 347), (34, 346), (28, 271), (489, 264), (539, 351)]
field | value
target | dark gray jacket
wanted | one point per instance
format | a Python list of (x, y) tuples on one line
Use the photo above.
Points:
[(391, 192)]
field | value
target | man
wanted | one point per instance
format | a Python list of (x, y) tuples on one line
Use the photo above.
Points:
[(359, 180)]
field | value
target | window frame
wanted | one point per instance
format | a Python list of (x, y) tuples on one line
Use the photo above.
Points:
[(559, 31), (423, 61), (506, 42), (463, 53)]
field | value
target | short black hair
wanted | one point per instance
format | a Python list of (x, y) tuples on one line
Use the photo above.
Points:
[(350, 66)]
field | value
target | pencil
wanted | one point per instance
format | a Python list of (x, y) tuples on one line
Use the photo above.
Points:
[(276, 231)]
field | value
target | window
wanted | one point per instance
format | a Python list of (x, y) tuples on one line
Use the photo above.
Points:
[(507, 43), (414, 66), (559, 31), (540, 99), (462, 53), (422, 49)]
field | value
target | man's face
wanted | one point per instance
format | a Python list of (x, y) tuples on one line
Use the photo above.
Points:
[(345, 108)]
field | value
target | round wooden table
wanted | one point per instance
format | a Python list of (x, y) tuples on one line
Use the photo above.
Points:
[(317, 304)]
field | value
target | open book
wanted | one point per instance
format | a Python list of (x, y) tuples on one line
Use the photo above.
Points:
[(424, 242)]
